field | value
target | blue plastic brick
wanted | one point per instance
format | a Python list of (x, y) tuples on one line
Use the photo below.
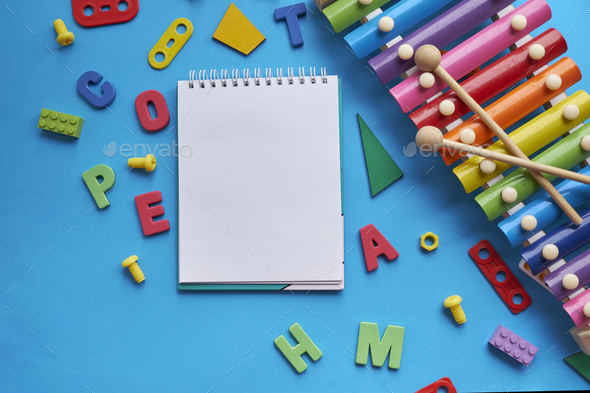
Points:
[(291, 14), (513, 345), (108, 90), (60, 123)]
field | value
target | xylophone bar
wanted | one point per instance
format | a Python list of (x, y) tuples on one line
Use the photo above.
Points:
[(530, 137), (473, 52), (345, 13), (405, 14), (567, 238), (515, 105), (564, 154), (545, 210), (575, 308), (580, 266), (439, 32), (492, 80)]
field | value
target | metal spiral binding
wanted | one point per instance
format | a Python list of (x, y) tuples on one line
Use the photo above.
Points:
[(213, 76)]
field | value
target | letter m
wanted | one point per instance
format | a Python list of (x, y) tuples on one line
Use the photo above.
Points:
[(391, 343)]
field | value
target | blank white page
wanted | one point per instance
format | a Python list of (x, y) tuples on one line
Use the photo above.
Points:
[(259, 187)]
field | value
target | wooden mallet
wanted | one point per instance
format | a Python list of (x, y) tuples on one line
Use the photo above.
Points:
[(430, 139), (428, 58)]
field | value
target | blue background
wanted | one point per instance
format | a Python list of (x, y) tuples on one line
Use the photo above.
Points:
[(86, 312)]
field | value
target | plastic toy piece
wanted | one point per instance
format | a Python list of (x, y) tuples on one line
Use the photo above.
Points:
[(104, 12), (579, 266), (394, 21), (577, 307), (321, 4), (439, 32), (293, 354), (134, 268), (147, 213), (236, 31), (344, 13), (374, 245), (565, 154), (492, 80), (148, 162), (490, 267), (64, 37), (513, 345), (454, 303), (381, 168), (390, 344), (518, 103), (291, 14), (99, 189), (566, 238), (582, 338), (170, 43), (143, 113), (581, 363), (441, 383), (60, 123), (108, 90), (429, 235), (475, 51)]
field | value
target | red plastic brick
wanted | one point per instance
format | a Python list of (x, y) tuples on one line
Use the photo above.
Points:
[(143, 112), (371, 236), (493, 265), (433, 387), (147, 213), (104, 12)]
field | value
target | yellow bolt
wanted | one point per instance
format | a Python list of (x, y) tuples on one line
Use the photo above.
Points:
[(148, 162), (64, 37), (131, 263), (453, 302)]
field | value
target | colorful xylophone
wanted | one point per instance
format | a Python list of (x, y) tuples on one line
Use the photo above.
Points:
[(562, 122)]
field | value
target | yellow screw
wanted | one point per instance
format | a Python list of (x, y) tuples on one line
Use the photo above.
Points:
[(64, 37), (148, 162), (131, 263), (453, 302)]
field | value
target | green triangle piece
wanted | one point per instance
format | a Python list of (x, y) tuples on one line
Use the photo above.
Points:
[(581, 363), (381, 168)]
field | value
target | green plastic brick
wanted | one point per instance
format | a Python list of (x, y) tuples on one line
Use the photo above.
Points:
[(391, 343), (60, 123), (293, 354), (344, 13), (565, 154)]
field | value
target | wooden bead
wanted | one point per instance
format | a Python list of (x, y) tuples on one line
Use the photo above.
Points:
[(570, 281), (553, 82), (585, 143), (427, 58), (528, 223), (467, 136), (386, 24), (571, 112), (537, 51), (509, 194), (518, 22), (405, 52), (586, 309), (550, 252), (365, 2), (426, 80), (487, 166), (446, 107), (429, 139)]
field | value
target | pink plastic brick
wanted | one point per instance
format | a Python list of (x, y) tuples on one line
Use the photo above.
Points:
[(513, 345), (575, 308), (473, 52)]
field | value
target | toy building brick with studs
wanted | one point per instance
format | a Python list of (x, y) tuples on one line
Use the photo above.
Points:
[(513, 345), (60, 123)]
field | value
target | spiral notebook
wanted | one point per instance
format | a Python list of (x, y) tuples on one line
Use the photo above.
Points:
[(259, 181)]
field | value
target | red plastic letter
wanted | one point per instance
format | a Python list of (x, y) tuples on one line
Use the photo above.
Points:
[(371, 236), (143, 112), (147, 213)]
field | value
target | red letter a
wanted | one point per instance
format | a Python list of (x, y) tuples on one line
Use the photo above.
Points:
[(375, 244)]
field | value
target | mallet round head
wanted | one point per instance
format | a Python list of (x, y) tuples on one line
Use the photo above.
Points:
[(427, 58), (429, 139)]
